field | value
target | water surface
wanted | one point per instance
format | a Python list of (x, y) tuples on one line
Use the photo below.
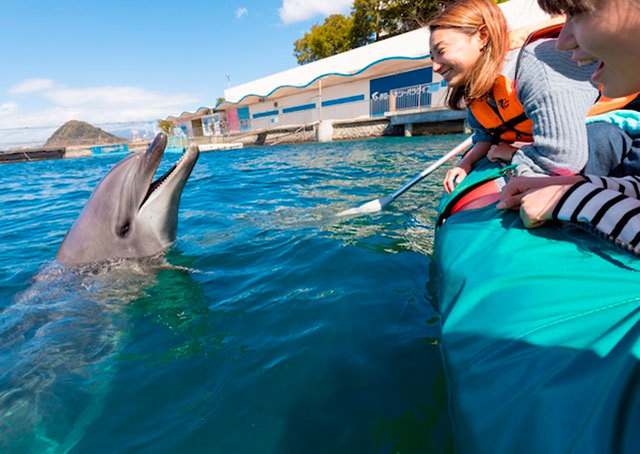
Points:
[(274, 326)]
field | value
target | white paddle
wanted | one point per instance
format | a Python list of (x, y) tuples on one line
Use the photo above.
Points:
[(378, 204)]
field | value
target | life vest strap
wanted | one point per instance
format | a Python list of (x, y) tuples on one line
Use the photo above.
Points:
[(509, 125)]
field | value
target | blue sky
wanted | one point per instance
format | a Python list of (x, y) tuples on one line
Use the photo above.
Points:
[(128, 60)]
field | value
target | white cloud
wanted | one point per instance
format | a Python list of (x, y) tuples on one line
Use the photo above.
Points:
[(241, 12), (8, 108), (300, 10), (117, 98), (31, 85), (95, 105)]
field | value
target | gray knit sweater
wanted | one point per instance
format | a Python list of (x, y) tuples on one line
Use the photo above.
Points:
[(556, 95)]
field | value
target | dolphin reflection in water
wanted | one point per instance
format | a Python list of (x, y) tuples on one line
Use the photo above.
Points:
[(59, 338)]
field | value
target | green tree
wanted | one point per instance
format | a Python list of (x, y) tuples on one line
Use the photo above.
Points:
[(378, 19), (366, 15), (166, 125), (332, 37), (403, 16), (369, 21)]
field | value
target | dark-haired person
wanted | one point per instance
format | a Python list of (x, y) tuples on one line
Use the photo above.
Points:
[(605, 31), (540, 126)]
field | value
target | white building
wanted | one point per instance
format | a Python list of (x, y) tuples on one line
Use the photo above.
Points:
[(385, 78)]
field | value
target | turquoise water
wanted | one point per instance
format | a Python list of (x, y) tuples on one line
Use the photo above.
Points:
[(272, 327)]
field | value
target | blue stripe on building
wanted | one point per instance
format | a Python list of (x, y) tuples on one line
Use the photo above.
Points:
[(333, 102), (299, 108), (265, 114)]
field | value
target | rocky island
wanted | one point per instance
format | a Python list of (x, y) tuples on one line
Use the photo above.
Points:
[(72, 139), (79, 133)]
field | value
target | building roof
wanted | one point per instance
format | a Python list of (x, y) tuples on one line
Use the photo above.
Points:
[(392, 55), (364, 62), (202, 111), (399, 53)]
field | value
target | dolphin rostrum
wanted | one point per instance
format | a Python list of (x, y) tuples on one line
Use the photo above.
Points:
[(128, 215)]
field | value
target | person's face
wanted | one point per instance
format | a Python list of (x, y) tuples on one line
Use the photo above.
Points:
[(610, 34), (454, 53)]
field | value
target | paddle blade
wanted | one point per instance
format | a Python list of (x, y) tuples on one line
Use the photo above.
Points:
[(370, 207)]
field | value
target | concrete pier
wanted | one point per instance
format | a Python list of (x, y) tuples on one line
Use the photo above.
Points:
[(324, 131), (422, 116)]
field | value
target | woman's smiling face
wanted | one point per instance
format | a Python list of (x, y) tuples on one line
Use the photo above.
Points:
[(609, 34), (454, 53)]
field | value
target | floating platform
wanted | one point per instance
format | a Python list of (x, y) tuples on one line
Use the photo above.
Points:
[(220, 146), (206, 147), (110, 149), (31, 154)]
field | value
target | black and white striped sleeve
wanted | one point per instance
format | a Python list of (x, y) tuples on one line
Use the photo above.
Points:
[(605, 207), (628, 185)]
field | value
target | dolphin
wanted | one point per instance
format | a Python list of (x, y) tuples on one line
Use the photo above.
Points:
[(128, 215), (60, 338)]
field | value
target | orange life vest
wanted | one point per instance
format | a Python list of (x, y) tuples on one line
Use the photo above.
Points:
[(502, 114)]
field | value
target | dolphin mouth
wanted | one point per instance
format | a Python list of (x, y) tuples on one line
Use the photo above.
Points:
[(158, 182), (180, 170)]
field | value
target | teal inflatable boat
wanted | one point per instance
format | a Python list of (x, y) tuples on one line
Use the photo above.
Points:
[(540, 330)]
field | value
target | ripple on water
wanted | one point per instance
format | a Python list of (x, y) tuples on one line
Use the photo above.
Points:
[(275, 326)]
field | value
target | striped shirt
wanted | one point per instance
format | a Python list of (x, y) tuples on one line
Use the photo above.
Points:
[(609, 206)]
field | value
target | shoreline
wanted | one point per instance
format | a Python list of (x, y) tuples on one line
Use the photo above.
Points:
[(48, 153), (340, 130), (434, 122)]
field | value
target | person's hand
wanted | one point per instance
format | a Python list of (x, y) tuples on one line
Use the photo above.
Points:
[(517, 187), (502, 152), (454, 177), (536, 206)]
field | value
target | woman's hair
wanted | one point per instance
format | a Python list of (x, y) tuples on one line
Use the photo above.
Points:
[(468, 16), (568, 7)]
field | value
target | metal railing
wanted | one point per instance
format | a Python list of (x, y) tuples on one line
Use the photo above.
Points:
[(379, 105), (414, 97), (177, 142)]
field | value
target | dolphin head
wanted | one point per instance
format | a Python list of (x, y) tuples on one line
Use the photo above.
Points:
[(128, 214)]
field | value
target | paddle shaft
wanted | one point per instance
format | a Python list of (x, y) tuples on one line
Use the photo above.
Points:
[(460, 148), (378, 204)]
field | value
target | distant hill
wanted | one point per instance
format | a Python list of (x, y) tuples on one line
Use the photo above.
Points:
[(80, 133)]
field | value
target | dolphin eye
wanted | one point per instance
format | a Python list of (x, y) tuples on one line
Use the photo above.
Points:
[(124, 230)]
